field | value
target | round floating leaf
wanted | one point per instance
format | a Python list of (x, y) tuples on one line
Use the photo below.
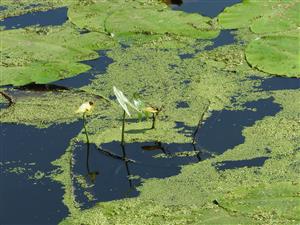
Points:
[(280, 19), (275, 55), (43, 55), (243, 14), (133, 18), (277, 200)]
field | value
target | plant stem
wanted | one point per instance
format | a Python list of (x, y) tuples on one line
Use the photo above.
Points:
[(199, 123), (123, 128), (85, 130), (153, 120)]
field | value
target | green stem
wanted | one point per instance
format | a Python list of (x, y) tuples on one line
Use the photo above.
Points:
[(85, 130), (153, 120), (123, 128)]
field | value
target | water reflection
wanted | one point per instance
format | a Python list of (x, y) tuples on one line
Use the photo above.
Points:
[(123, 167)]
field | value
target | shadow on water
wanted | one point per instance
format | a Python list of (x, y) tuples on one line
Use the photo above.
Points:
[(98, 66), (210, 8), (226, 37), (42, 18), (33, 201), (255, 162), (223, 129), (121, 168)]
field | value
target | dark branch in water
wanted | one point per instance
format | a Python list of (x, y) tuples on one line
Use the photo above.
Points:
[(115, 156), (200, 123), (42, 87), (9, 98)]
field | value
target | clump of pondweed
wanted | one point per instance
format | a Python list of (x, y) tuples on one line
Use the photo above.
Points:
[(139, 106)]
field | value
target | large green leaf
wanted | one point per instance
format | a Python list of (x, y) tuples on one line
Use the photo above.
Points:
[(243, 14), (43, 55), (123, 18), (280, 19), (278, 201), (275, 55), (277, 52)]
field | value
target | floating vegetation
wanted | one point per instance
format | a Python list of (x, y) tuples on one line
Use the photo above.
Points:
[(216, 136), (276, 25)]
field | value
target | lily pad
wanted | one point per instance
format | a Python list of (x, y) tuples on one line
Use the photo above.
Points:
[(242, 15), (277, 201), (281, 19), (130, 18), (43, 55), (275, 55), (277, 51)]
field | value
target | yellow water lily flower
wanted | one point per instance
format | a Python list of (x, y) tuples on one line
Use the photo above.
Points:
[(85, 107), (150, 110)]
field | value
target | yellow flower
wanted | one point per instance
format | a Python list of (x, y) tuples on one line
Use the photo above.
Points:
[(150, 109), (85, 107)]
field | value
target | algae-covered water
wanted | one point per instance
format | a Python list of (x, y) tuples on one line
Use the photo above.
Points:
[(224, 75)]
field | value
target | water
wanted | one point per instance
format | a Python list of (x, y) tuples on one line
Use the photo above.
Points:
[(46, 18), (280, 83), (98, 66), (235, 164), (182, 104), (210, 8), (2, 7), (226, 37), (223, 129), (33, 201), (114, 173)]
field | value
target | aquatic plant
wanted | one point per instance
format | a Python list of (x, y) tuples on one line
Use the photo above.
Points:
[(145, 111), (123, 101), (275, 28), (84, 109)]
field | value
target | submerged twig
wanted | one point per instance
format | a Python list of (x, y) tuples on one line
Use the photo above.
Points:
[(9, 98), (115, 156)]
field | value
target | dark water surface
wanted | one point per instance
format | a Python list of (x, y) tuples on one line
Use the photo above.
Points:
[(226, 37), (113, 172), (2, 7), (41, 18), (280, 83), (255, 162), (98, 66), (23, 200), (223, 129), (210, 8)]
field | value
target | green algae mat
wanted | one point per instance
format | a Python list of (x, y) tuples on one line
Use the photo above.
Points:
[(150, 64)]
